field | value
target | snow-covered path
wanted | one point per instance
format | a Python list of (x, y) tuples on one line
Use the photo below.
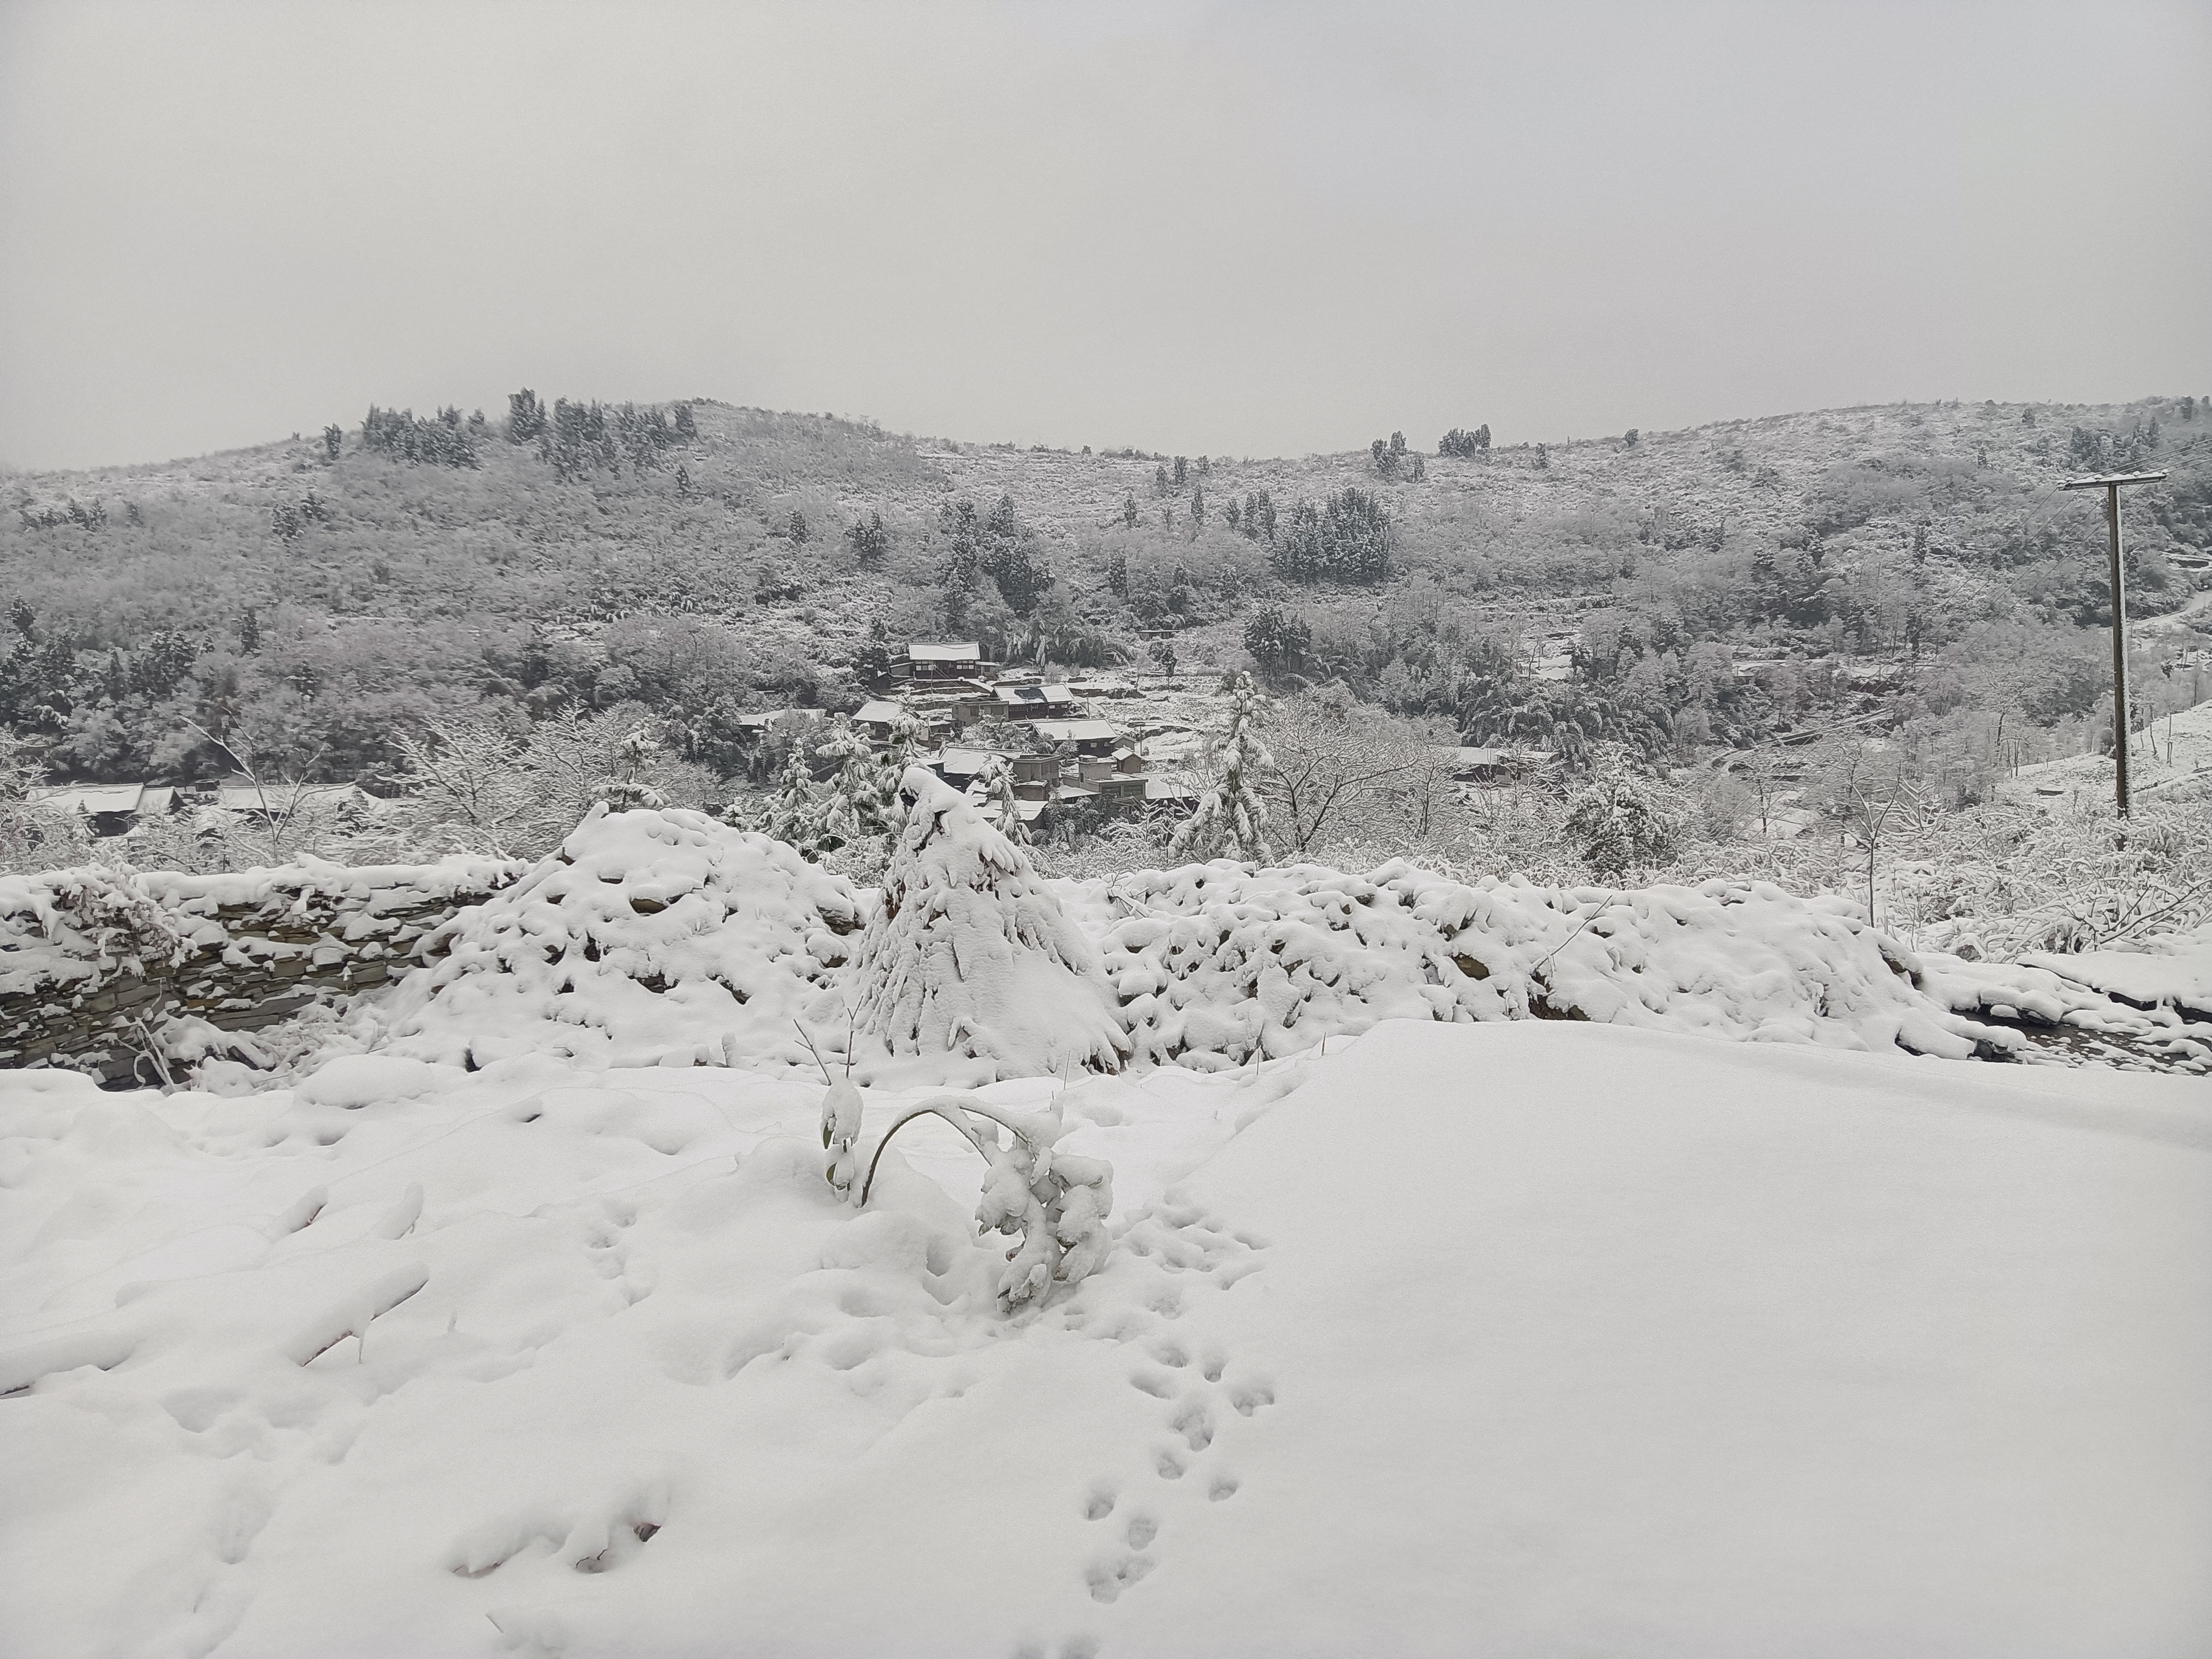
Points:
[(1530, 1338)]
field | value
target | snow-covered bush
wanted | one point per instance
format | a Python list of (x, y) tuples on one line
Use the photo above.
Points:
[(109, 908), (1216, 965), (970, 953), (1053, 1204), (32, 836), (647, 938)]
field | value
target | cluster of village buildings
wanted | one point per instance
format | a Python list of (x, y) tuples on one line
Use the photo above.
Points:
[(113, 808), (1060, 751)]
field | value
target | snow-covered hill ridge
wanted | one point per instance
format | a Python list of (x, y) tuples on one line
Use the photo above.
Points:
[(663, 937)]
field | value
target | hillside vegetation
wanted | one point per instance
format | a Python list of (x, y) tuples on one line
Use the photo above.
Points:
[(309, 602)]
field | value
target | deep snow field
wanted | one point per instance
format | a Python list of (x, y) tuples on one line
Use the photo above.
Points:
[(1487, 1270), (1529, 1338)]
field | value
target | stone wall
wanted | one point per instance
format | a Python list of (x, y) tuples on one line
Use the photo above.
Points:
[(100, 969)]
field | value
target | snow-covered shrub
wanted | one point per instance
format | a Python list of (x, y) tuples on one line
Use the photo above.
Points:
[(970, 953), (649, 937), (108, 907), (32, 836), (1216, 964), (1053, 1204)]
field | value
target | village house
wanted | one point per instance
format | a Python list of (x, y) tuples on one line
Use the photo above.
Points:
[(944, 660), (1097, 738), (1024, 703), (111, 809)]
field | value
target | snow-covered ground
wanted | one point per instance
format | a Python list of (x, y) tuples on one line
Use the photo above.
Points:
[(2175, 753), (1525, 1338)]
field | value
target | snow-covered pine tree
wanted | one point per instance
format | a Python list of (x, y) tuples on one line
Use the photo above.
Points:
[(624, 785), (972, 952), (1231, 818), (1618, 823), (860, 799), (793, 813)]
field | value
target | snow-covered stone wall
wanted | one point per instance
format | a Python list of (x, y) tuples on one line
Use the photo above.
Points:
[(100, 968)]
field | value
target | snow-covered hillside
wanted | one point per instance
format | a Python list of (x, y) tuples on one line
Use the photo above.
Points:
[(1529, 1337)]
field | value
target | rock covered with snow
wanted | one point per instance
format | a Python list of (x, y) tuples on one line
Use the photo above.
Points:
[(972, 955), (650, 936)]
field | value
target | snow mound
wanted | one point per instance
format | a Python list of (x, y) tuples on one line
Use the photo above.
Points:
[(650, 938), (1216, 964), (972, 955)]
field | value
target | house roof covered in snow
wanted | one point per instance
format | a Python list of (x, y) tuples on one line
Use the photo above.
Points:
[(94, 797), (1077, 730), (879, 711), (235, 797), (1034, 696), (930, 651), (966, 762)]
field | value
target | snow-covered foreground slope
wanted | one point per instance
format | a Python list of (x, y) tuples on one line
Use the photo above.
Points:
[(1512, 1339)]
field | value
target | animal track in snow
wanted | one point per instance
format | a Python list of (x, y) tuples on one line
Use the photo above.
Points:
[(1109, 1578), (1189, 1255), (1250, 1398)]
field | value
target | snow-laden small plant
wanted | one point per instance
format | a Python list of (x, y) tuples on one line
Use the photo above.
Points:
[(1053, 1204), (1232, 815), (840, 1120), (625, 786), (109, 906)]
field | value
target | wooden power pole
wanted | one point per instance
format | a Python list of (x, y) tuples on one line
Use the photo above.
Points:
[(2110, 485)]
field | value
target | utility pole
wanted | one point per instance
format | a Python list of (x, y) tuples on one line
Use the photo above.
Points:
[(2110, 485)]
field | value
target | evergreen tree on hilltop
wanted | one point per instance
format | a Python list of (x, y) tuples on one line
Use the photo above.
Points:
[(1232, 818), (1347, 539)]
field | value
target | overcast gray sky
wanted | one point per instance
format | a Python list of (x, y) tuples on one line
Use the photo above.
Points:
[(1240, 228)]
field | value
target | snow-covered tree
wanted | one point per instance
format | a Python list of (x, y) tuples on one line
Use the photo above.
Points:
[(860, 799), (1620, 822), (793, 813), (971, 953), (1232, 816), (992, 789), (626, 785)]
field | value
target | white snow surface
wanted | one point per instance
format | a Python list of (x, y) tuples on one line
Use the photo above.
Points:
[(2172, 971), (1510, 1337)]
